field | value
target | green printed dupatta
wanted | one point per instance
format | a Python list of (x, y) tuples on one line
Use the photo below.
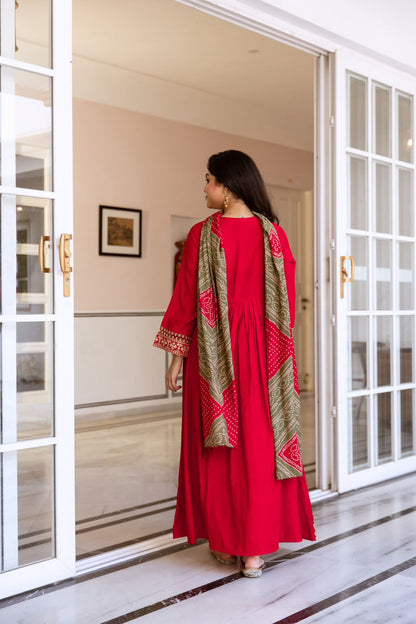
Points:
[(219, 400)]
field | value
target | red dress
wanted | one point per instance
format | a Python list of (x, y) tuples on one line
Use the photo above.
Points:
[(230, 495)]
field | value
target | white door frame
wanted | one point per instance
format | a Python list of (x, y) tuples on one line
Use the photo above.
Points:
[(63, 564)]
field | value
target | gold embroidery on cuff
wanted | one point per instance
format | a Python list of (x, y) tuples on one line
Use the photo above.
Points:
[(178, 344)]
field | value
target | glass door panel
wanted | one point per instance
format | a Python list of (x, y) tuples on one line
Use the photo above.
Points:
[(33, 32), (405, 201), (358, 212), (382, 193), (358, 438), (357, 298), (382, 119), (383, 345), (384, 427), (376, 318), (406, 275), (358, 353), (357, 128), (27, 99), (406, 346), (404, 134), (383, 282), (407, 400)]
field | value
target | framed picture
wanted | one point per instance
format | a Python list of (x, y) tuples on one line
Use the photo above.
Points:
[(120, 232)]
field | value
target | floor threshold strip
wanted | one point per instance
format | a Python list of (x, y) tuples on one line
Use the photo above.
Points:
[(105, 525), (97, 527), (137, 540), (119, 512)]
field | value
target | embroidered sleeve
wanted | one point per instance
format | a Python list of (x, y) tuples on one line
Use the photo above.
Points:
[(175, 343), (179, 323)]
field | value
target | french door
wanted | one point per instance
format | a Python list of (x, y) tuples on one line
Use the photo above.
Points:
[(37, 544), (374, 274)]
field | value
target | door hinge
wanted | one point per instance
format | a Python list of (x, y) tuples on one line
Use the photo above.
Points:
[(332, 121), (333, 320), (332, 243), (333, 411)]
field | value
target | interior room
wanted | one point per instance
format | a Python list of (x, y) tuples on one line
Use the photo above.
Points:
[(158, 87)]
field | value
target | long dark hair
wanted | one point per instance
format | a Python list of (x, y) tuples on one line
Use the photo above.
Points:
[(239, 173)]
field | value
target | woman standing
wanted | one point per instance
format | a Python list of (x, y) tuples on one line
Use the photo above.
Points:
[(241, 480)]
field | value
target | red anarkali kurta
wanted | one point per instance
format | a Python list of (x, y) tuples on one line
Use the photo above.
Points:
[(230, 495)]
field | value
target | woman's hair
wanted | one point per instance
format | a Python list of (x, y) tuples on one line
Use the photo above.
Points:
[(239, 173)]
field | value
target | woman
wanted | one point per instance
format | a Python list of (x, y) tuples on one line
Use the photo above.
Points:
[(241, 481)]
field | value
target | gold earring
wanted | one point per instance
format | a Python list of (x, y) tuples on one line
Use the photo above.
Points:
[(225, 202)]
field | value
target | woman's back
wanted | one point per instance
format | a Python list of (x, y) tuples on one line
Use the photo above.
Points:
[(244, 253)]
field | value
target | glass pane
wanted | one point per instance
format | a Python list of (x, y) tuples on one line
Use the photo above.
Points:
[(28, 506), (383, 275), (383, 198), (33, 286), (384, 442), (27, 98), (358, 194), (406, 276), (406, 422), (406, 328), (33, 32), (405, 188), (357, 112), (358, 337), (382, 134), (35, 469), (383, 359), (34, 380), (358, 410), (405, 127), (357, 292)]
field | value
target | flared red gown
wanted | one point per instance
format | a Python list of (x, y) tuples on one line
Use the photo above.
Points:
[(230, 495)]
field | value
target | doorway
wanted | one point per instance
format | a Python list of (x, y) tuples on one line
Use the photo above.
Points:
[(134, 143)]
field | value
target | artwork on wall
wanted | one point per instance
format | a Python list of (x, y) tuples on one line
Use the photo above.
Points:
[(120, 232)]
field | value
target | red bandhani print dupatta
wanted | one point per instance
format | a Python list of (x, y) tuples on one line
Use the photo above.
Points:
[(219, 399)]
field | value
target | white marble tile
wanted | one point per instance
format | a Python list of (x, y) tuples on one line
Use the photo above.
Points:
[(385, 545), (281, 591), (391, 601)]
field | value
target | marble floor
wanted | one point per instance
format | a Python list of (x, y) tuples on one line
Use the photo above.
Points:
[(361, 569)]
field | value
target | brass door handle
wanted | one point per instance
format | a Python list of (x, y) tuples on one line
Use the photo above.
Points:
[(43, 240), (65, 261), (344, 273)]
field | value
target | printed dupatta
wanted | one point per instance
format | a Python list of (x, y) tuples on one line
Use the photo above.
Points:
[(219, 400)]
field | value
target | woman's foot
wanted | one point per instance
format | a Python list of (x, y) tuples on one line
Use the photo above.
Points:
[(224, 558), (252, 566)]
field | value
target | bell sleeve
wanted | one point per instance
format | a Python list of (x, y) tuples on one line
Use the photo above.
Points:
[(290, 268), (179, 322)]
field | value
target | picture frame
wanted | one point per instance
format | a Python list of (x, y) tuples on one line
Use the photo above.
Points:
[(120, 231)]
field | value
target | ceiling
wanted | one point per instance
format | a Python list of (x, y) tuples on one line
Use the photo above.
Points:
[(216, 64)]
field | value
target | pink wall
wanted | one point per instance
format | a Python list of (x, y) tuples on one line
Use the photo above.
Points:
[(131, 160)]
